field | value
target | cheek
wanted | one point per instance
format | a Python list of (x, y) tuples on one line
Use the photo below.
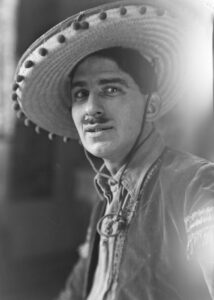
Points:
[(132, 119), (76, 117)]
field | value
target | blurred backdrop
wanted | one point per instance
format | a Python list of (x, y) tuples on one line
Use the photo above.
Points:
[(46, 187)]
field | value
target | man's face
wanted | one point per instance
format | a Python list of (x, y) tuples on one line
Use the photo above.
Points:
[(107, 108)]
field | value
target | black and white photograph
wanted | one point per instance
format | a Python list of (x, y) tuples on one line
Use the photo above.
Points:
[(106, 150)]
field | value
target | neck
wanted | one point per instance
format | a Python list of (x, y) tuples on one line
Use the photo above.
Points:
[(116, 163)]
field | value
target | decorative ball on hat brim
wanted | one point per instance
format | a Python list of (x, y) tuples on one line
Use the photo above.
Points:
[(159, 30)]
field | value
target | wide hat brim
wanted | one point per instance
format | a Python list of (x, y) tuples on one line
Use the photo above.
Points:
[(160, 30)]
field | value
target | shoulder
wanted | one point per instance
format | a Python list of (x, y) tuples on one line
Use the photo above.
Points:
[(185, 180), (184, 160), (177, 164), (190, 176)]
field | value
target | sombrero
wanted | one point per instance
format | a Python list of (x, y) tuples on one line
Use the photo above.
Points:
[(161, 30)]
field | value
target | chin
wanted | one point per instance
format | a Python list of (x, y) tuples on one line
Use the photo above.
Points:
[(100, 150)]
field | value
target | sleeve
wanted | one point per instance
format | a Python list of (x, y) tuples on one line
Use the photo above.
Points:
[(75, 285), (199, 222), (75, 282)]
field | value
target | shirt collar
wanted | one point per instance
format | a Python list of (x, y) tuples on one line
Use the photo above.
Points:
[(144, 157)]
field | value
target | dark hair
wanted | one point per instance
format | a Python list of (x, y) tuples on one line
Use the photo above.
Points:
[(130, 61)]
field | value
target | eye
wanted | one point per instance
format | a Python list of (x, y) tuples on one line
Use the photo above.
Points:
[(112, 91), (79, 95)]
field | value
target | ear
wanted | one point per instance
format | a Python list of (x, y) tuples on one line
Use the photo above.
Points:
[(153, 108)]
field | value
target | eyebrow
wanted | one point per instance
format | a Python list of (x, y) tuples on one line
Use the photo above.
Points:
[(82, 83), (114, 80), (78, 84)]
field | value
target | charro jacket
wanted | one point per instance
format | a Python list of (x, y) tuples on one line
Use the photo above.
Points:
[(170, 228)]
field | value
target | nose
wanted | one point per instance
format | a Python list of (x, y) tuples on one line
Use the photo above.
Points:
[(94, 106)]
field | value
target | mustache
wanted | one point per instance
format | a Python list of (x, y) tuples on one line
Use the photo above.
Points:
[(90, 120)]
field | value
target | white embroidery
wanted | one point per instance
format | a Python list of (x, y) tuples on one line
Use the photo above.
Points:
[(200, 230)]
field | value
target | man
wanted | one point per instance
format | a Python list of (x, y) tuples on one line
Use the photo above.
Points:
[(109, 74)]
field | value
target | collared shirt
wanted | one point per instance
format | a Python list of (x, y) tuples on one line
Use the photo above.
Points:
[(174, 219), (110, 249)]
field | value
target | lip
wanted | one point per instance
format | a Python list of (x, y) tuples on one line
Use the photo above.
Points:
[(97, 129)]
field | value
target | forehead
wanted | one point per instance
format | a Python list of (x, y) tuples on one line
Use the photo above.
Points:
[(97, 66)]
